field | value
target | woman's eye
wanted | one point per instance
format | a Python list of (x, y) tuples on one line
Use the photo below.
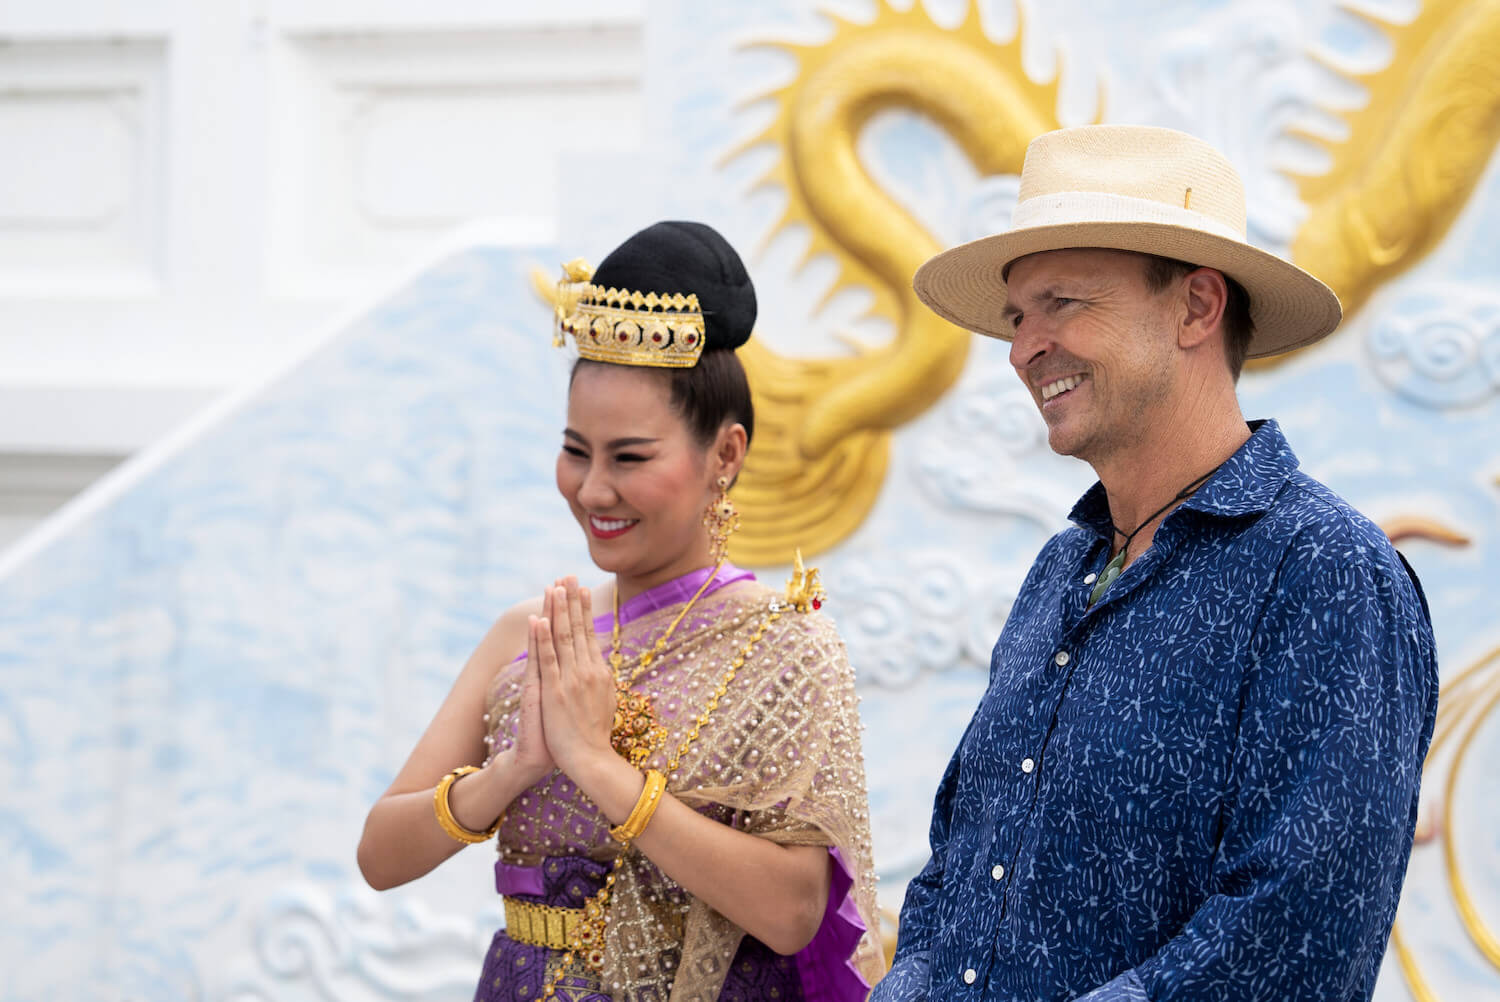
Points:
[(573, 450), (630, 457), (1063, 300)]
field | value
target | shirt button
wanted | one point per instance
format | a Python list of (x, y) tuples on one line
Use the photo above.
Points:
[(970, 976), (1090, 578), (997, 871), (1027, 765), (1061, 658)]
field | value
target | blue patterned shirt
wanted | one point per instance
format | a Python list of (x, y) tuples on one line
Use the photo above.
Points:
[(1203, 787)]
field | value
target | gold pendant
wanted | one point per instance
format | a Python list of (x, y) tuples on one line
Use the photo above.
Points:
[(636, 733)]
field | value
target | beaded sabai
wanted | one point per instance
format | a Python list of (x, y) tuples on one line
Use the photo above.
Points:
[(780, 759), (661, 330), (587, 943)]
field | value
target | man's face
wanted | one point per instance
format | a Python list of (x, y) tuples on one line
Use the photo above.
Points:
[(1094, 346)]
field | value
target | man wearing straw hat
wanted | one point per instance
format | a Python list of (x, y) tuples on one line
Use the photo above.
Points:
[(1194, 773)]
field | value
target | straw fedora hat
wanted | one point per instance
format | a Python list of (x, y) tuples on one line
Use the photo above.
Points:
[(1136, 188)]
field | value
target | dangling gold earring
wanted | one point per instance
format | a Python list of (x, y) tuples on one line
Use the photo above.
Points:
[(722, 519)]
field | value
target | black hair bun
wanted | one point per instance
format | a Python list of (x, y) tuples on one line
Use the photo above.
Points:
[(688, 258)]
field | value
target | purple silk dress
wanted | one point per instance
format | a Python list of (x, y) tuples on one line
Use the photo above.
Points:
[(518, 972)]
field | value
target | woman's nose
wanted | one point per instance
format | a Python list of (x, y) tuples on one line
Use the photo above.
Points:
[(596, 492)]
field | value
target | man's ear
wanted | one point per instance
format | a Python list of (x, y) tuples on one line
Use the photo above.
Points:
[(1205, 295)]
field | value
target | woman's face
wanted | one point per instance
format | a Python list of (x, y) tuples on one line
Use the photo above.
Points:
[(634, 476)]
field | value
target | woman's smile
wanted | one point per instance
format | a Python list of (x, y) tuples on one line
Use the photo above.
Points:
[(609, 528)]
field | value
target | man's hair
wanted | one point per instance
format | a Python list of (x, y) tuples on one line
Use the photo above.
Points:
[(1163, 271)]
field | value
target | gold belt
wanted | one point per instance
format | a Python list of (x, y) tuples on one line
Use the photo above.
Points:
[(541, 925)]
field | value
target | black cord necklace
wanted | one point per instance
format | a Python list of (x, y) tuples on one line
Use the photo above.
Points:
[(1115, 566)]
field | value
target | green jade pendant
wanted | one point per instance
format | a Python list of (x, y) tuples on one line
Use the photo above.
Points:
[(1111, 572)]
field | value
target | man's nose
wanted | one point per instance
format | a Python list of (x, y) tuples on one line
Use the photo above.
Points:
[(1029, 344)]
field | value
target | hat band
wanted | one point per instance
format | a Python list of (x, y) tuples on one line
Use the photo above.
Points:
[(1062, 208)]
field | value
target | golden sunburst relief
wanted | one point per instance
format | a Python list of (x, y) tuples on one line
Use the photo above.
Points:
[(815, 474)]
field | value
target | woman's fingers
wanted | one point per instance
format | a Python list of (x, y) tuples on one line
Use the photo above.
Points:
[(583, 634), (586, 611), (562, 629), (547, 665)]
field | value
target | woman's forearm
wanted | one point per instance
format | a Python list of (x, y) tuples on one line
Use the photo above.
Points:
[(402, 839), (776, 893)]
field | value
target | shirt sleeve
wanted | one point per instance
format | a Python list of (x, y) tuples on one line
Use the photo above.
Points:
[(1336, 714), (908, 980)]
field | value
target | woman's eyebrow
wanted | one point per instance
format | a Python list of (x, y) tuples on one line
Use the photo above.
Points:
[(616, 443)]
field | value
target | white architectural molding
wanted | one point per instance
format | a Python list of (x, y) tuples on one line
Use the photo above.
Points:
[(81, 209), (383, 140)]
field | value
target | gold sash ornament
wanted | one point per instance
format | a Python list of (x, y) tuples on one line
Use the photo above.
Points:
[(541, 925)]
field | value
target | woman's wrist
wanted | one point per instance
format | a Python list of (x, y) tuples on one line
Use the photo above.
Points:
[(613, 784), (479, 798), (506, 765)]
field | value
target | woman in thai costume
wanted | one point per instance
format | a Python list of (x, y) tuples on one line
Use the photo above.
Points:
[(671, 763)]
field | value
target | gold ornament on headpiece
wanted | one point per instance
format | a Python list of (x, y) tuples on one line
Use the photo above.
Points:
[(722, 519), (660, 330)]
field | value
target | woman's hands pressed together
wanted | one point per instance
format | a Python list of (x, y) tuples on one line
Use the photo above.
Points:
[(532, 757), (578, 700)]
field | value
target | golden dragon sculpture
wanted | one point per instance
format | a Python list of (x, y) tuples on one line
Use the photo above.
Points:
[(1412, 157)]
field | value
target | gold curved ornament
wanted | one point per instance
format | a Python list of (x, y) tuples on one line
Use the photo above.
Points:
[(1408, 527), (819, 465), (1464, 706), (1414, 153)]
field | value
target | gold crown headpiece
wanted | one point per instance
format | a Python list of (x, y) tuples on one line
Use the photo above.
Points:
[(625, 327)]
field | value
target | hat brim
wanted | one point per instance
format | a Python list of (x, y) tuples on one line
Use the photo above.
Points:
[(1289, 307)]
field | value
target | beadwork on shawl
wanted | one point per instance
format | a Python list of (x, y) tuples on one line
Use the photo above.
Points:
[(779, 758)]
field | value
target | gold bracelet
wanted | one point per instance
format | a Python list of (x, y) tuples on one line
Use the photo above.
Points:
[(645, 807), (444, 813)]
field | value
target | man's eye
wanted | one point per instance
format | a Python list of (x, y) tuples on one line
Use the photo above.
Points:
[(1015, 321), (1063, 300)]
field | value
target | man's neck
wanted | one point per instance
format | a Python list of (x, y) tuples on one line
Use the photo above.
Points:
[(1153, 471)]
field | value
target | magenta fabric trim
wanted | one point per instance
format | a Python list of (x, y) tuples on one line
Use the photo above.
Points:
[(826, 965), (671, 593), (674, 591)]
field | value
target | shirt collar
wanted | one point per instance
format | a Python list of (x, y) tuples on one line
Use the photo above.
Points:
[(1246, 484)]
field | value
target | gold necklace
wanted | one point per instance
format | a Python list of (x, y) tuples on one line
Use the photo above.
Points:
[(617, 660), (636, 733), (587, 942)]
